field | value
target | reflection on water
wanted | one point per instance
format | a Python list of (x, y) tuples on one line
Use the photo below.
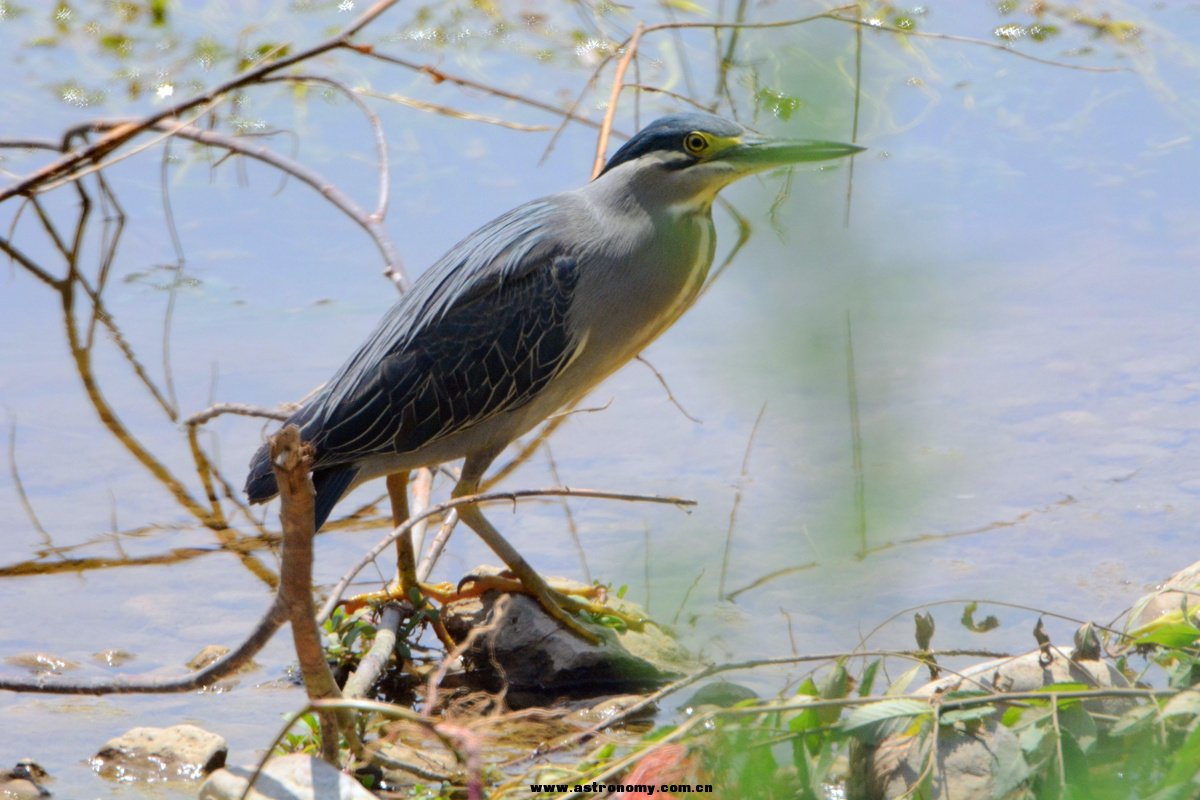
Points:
[(1018, 274)]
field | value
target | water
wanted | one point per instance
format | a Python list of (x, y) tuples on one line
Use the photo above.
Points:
[(1017, 273)]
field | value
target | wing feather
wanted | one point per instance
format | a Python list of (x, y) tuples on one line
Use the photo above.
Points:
[(480, 334)]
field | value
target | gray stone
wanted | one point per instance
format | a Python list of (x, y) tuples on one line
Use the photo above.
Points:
[(982, 761), (22, 781), (524, 650), (182, 752), (1166, 603), (42, 663), (981, 764), (1026, 673), (292, 777)]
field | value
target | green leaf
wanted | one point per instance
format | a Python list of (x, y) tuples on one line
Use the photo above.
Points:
[(1012, 716), (983, 626), (780, 105), (1074, 764), (1183, 704), (901, 684), (117, 43), (968, 714), (1135, 720), (1079, 723), (925, 628), (867, 682), (1187, 762), (686, 6), (1041, 32), (875, 722), (1172, 634)]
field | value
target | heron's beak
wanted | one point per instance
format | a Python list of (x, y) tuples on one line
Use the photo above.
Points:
[(752, 155)]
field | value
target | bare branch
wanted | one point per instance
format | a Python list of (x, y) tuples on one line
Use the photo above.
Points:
[(614, 97), (737, 500), (118, 136), (368, 222), (670, 395), (440, 76), (243, 409), (950, 37)]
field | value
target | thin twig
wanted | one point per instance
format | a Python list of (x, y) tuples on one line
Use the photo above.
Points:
[(856, 445), (572, 528), (118, 136), (950, 37), (453, 113), (614, 96), (164, 192), (280, 413), (19, 485), (670, 395), (743, 477), (373, 226), (441, 76), (381, 147), (858, 51)]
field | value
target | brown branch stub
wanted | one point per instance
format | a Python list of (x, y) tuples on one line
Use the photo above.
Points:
[(292, 461), (614, 98)]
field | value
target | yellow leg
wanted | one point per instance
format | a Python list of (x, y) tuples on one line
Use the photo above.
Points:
[(534, 584), (406, 559)]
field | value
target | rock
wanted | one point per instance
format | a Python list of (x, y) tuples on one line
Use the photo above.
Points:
[(215, 652), (412, 754), (528, 653), (594, 712), (1165, 605), (207, 656), (41, 663), (1026, 673), (983, 760), (719, 693), (981, 764), (113, 658), (22, 781), (182, 752), (292, 777)]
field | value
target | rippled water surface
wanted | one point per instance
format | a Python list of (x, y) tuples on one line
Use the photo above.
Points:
[(1015, 276)]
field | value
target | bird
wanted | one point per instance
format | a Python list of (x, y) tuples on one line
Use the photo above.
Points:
[(525, 316)]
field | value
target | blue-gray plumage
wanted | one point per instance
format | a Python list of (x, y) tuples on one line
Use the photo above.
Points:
[(530, 312)]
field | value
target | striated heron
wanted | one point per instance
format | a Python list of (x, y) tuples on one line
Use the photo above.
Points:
[(526, 315)]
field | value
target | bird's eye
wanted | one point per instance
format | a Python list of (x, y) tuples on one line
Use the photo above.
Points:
[(695, 143)]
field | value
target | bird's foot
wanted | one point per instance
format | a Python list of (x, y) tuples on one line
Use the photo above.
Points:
[(418, 598), (560, 601), (441, 592)]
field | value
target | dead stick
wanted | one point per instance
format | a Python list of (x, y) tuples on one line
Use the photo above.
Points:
[(614, 96), (292, 461)]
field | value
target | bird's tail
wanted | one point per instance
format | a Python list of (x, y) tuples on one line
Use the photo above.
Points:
[(330, 484), (260, 482)]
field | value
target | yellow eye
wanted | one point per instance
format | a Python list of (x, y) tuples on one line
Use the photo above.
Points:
[(695, 143)]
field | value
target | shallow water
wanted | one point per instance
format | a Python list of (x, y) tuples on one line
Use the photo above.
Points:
[(1019, 278)]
